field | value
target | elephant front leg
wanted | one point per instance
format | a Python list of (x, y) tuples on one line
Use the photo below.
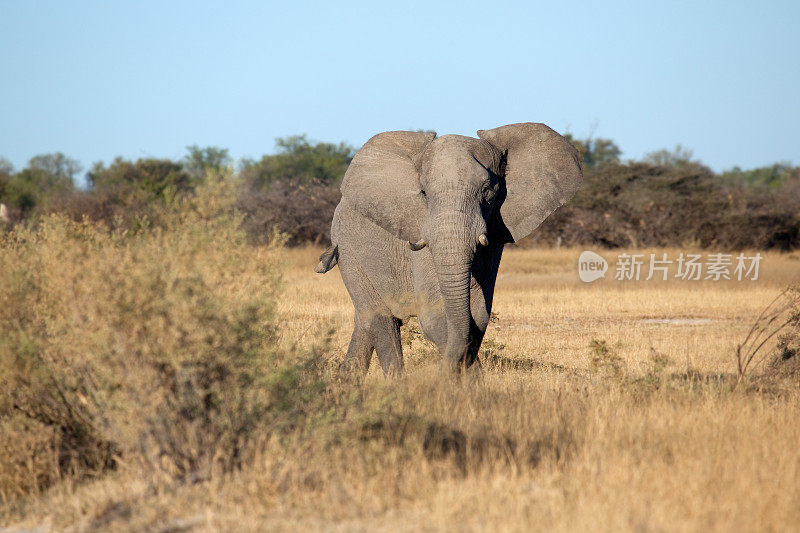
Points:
[(480, 310), (475, 340), (466, 357), (434, 327), (433, 324)]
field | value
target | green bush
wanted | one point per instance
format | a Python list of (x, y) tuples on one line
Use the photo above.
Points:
[(46, 176), (154, 178), (300, 161)]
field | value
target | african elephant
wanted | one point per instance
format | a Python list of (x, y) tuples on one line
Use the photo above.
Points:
[(422, 224)]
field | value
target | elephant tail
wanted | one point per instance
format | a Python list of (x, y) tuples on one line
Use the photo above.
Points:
[(328, 259)]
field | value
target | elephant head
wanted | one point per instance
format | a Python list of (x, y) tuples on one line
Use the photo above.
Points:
[(458, 194)]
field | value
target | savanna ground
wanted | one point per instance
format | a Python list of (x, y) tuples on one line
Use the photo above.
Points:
[(593, 410)]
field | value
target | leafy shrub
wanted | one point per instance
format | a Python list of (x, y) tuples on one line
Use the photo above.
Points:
[(131, 195), (155, 178), (298, 160), (198, 162), (595, 152), (45, 176), (770, 176)]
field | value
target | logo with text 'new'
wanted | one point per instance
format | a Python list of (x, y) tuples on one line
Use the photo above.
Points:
[(686, 266)]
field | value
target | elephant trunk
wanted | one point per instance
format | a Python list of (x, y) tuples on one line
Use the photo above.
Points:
[(453, 249)]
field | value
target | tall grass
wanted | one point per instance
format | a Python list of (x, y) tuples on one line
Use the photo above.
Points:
[(175, 377)]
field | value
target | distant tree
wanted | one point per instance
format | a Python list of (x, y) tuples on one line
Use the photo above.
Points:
[(770, 176), (602, 151), (596, 151), (56, 165), (298, 160), (153, 177), (6, 173), (200, 160), (678, 156), (46, 175)]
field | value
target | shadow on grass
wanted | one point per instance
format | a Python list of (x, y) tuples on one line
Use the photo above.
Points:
[(694, 377), (440, 441), (492, 361)]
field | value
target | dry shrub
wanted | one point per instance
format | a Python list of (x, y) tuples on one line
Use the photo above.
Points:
[(28, 457), (641, 204), (153, 349), (116, 209), (301, 211), (773, 341), (784, 362), (636, 204), (605, 360)]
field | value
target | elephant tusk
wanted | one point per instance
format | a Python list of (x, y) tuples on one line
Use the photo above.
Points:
[(483, 240), (417, 246)]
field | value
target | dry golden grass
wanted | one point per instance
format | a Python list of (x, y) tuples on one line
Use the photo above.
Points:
[(593, 411)]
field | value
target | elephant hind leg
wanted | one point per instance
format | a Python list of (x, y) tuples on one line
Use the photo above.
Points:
[(359, 352), (378, 332), (385, 333)]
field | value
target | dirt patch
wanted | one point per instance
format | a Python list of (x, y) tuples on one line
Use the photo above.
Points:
[(678, 321)]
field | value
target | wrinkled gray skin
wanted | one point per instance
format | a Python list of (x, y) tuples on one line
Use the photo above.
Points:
[(457, 201)]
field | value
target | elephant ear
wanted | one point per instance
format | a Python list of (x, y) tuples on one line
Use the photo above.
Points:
[(543, 171), (382, 182)]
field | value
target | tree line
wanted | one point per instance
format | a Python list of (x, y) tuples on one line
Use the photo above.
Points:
[(667, 198)]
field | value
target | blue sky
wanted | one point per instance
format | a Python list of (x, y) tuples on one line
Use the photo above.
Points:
[(140, 79)]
